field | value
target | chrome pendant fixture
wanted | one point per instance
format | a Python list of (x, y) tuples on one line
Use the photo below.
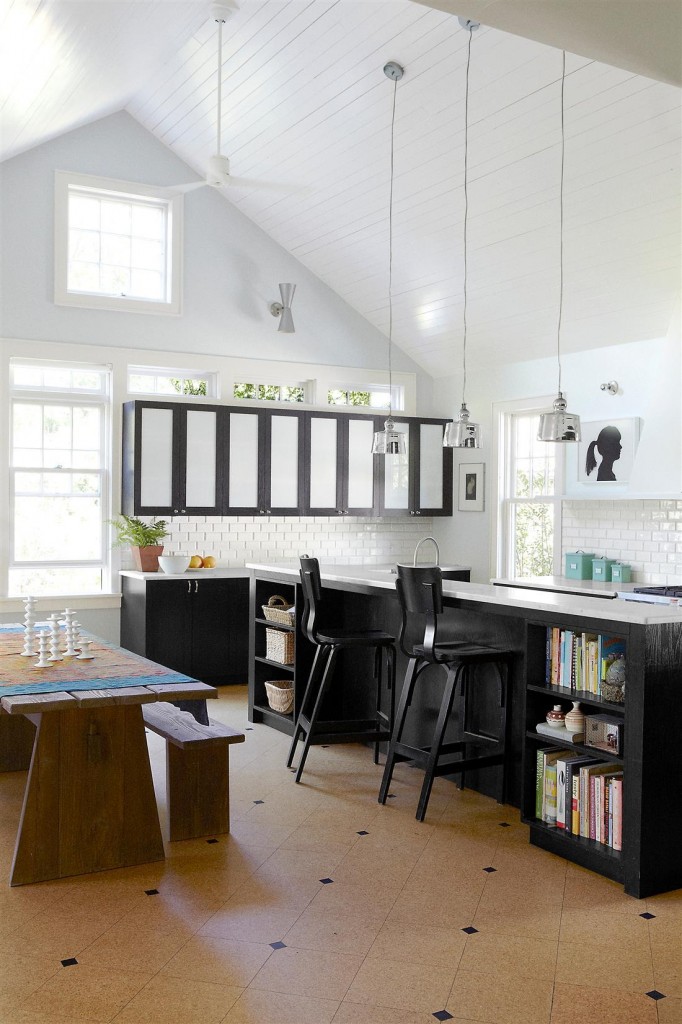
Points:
[(559, 425), (460, 433), (390, 441)]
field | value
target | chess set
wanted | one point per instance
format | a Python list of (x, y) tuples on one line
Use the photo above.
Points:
[(49, 640)]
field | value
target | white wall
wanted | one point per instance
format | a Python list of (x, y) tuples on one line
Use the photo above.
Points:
[(650, 377), (231, 273)]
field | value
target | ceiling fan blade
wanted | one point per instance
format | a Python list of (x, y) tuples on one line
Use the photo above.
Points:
[(190, 186)]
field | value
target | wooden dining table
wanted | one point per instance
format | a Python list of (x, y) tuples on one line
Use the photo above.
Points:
[(77, 726)]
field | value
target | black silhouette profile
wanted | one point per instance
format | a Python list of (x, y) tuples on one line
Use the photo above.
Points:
[(609, 447)]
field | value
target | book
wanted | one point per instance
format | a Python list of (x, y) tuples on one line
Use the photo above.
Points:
[(563, 792), (617, 812), (605, 824), (549, 778), (561, 735), (572, 791), (587, 790)]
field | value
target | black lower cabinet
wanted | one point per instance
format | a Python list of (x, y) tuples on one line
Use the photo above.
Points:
[(199, 627)]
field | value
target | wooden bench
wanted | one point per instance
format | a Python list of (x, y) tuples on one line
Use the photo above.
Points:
[(197, 770)]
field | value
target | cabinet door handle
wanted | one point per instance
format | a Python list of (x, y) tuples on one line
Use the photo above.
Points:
[(411, 512), (196, 586), (417, 513), (189, 586), (268, 511), (175, 511)]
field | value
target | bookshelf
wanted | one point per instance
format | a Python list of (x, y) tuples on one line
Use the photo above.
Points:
[(649, 860)]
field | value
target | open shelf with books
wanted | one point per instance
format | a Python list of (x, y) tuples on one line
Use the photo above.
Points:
[(594, 790)]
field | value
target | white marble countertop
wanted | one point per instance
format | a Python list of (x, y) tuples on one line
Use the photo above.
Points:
[(511, 597), (561, 583), (189, 574)]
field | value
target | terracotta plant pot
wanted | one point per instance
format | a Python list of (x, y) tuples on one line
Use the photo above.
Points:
[(147, 559)]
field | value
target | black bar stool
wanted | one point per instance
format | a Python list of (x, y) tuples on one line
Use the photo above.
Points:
[(329, 641), (420, 591)]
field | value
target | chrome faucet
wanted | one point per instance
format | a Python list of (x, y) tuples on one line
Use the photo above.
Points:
[(419, 544)]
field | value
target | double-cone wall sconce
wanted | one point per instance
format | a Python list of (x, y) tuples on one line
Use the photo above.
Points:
[(460, 433), (390, 441), (283, 309), (559, 425)]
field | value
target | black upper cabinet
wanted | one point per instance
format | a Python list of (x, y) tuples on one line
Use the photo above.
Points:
[(419, 482), (171, 459), (184, 459)]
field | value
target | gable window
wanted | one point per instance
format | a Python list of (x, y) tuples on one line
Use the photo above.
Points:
[(270, 392), (59, 481), (117, 245), (169, 381), (373, 397), (529, 513)]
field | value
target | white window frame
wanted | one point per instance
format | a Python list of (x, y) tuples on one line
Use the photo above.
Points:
[(64, 180), (503, 502), (155, 372), (394, 394), (260, 380), (26, 394)]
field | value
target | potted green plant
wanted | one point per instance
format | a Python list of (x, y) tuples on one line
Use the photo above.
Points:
[(143, 539)]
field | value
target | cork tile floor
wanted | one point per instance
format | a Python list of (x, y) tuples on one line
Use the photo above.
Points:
[(322, 906)]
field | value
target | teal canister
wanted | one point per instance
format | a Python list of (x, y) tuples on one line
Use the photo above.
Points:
[(578, 565), (621, 573), (601, 569)]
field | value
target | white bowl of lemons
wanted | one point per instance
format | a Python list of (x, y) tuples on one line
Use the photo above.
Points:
[(174, 564)]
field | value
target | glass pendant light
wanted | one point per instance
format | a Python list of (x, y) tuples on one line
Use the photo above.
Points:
[(559, 425), (460, 433), (390, 441)]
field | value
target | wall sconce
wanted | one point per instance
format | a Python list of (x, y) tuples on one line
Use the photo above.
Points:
[(283, 309), (611, 386)]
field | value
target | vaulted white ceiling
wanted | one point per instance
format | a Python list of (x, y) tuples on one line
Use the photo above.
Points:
[(307, 106)]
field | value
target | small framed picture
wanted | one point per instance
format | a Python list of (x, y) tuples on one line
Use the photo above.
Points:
[(471, 486), (606, 453)]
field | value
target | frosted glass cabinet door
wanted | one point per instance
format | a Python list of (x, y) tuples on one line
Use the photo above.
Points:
[(397, 477), (156, 458), (283, 489), (323, 438), (243, 490), (360, 467), (431, 466), (201, 433)]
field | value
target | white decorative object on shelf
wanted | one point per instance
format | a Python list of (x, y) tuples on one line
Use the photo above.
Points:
[(43, 642), (29, 628), (54, 637), (72, 647)]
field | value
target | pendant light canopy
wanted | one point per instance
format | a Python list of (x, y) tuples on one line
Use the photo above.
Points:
[(559, 425), (460, 433), (390, 441)]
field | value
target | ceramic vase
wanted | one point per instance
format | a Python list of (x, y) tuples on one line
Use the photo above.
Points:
[(555, 717), (575, 719)]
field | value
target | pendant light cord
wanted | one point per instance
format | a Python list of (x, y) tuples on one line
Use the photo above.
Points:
[(221, 22), (561, 222), (466, 214), (390, 261)]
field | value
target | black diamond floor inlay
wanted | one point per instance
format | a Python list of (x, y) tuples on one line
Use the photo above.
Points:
[(490, 870), (654, 994), (259, 801), (362, 833), (326, 881), (470, 930), (278, 945), (209, 841), (152, 892), (504, 824), (648, 916), (442, 1015), (69, 962), (391, 796), (248, 728)]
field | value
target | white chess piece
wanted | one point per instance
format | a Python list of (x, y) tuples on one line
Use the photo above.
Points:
[(29, 628), (54, 638), (85, 654)]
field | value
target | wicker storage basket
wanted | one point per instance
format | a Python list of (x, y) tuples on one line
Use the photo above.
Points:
[(279, 646), (280, 694), (279, 610)]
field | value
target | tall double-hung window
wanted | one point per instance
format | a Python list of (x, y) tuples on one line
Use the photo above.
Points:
[(59, 478), (529, 491)]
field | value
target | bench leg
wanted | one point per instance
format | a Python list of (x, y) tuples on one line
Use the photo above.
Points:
[(197, 785)]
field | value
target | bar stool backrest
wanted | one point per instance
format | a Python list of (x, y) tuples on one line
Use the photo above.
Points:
[(311, 585), (420, 592)]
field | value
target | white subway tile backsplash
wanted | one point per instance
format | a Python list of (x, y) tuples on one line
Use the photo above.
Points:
[(641, 532), (254, 538)]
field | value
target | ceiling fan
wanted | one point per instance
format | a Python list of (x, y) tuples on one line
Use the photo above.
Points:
[(218, 171)]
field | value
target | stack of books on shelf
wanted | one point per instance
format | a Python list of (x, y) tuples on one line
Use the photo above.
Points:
[(578, 661), (580, 794)]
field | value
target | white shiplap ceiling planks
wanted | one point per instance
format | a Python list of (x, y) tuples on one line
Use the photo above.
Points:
[(306, 105)]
